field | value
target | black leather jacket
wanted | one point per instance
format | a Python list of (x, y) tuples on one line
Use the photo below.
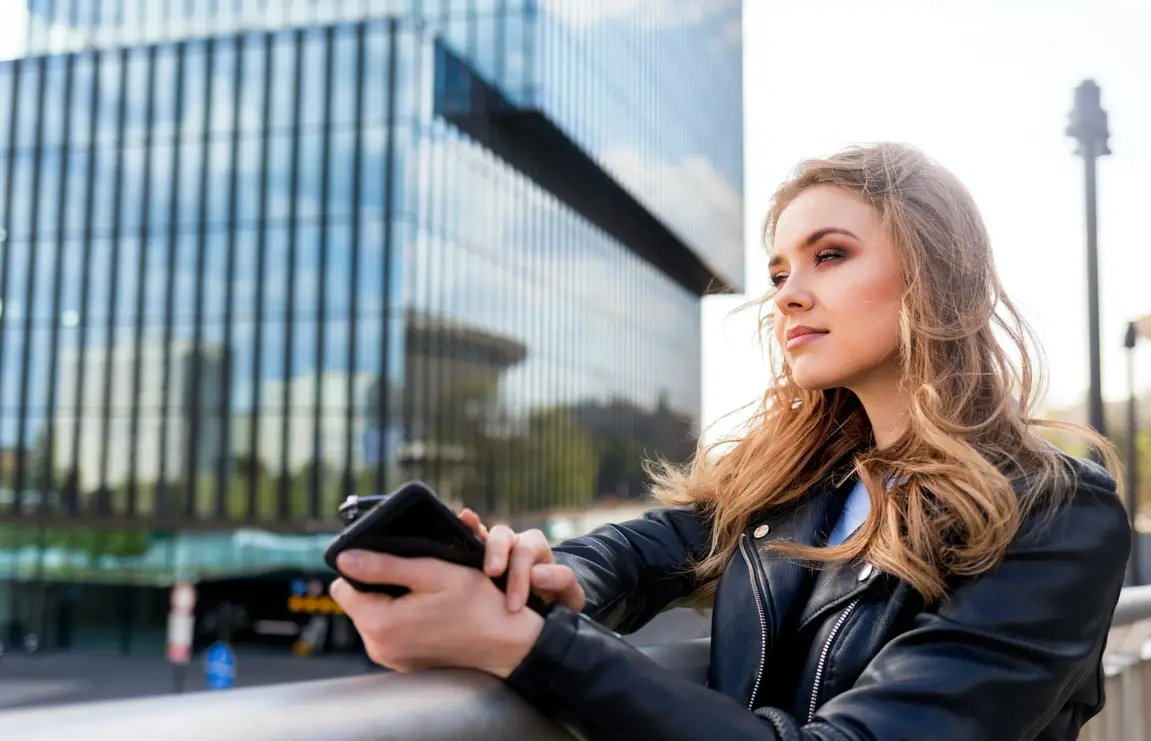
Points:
[(845, 654)]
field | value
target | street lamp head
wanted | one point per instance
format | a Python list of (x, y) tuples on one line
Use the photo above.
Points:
[(1142, 326), (1087, 123), (1139, 328)]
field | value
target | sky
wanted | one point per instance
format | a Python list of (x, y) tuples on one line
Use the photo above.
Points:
[(984, 87)]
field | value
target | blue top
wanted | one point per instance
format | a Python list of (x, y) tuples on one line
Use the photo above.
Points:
[(854, 513)]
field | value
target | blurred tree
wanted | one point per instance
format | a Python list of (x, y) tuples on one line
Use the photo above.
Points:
[(266, 488), (621, 472), (1118, 437), (15, 537), (301, 490), (38, 461), (98, 543), (553, 464), (93, 543)]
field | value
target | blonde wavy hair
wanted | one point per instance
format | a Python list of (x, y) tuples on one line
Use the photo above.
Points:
[(971, 465)]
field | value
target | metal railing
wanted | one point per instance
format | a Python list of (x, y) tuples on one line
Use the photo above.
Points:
[(1127, 714), (460, 705), (428, 706)]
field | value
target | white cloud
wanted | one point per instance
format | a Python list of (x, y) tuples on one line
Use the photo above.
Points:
[(644, 13), (512, 260), (692, 196), (13, 25)]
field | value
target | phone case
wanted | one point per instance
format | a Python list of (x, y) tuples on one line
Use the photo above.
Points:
[(413, 522), (410, 522)]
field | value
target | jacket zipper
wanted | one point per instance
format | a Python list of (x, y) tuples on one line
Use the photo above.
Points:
[(762, 620), (823, 654)]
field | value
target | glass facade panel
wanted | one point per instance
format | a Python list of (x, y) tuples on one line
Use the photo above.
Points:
[(246, 274), (653, 92)]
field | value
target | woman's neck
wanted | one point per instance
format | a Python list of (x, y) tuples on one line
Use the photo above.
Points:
[(886, 406)]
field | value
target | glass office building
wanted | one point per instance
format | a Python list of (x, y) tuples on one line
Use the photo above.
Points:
[(255, 256)]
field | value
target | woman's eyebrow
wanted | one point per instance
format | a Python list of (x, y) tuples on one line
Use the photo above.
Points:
[(812, 238)]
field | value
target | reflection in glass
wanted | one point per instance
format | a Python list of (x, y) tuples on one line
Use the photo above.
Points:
[(280, 276)]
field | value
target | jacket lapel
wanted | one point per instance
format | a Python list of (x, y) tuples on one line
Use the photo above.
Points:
[(834, 588), (837, 584), (788, 582)]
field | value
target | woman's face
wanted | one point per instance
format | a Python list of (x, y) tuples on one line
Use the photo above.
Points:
[(836, 272)]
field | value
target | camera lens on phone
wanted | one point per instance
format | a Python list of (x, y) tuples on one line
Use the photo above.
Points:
[(355, 505)]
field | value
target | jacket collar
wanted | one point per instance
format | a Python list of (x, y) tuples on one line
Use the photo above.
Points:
[(796, 594), (788, 582)]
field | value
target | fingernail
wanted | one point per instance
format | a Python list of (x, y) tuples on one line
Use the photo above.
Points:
[(351, 560)]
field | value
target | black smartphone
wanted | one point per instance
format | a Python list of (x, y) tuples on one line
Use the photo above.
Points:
[(412, 522)]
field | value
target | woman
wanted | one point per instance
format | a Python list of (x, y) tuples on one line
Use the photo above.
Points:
[(891, 550)]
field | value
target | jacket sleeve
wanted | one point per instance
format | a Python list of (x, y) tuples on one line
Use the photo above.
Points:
[(996, 661), (631, 571)]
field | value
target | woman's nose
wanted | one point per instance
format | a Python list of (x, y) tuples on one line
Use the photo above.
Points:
[(792, 296)]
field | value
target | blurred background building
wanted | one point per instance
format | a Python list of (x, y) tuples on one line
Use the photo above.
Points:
[(258, 255)]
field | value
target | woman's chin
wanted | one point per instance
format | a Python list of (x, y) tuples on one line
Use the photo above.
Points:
[(814, 379), (814, 386)]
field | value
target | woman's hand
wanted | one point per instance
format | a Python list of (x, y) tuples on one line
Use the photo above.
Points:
[(530, 565), (452, 617)]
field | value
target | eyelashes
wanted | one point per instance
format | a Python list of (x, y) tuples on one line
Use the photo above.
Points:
[(831, 253), (828, 254)]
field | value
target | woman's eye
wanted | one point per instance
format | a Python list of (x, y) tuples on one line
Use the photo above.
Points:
[(778, 279)]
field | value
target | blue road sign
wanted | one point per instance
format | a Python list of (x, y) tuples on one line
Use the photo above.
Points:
[(220, 666)]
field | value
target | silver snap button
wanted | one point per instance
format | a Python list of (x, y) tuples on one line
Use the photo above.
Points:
[(866, 571), (761, 531)]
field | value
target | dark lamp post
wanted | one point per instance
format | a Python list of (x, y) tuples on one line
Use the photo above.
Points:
[(1088, 126)]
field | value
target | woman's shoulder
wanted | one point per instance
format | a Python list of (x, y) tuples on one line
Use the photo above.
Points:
[(1072, 476), (1077, 509), (1087, 473)]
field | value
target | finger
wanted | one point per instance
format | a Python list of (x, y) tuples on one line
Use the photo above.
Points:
[(373, 617), (417, 574), (553, 579), (356, 604), (339, 590), (557, 583), (472, 520), (531, 547), (501, 540)]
